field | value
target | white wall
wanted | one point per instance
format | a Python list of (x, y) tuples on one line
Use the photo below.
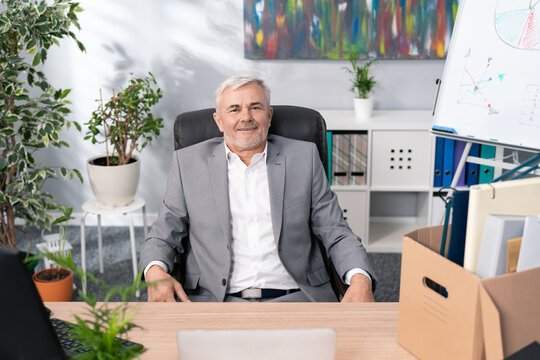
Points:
[(191, 46)]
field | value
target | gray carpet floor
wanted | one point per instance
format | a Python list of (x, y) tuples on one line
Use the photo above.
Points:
[(118, 265)]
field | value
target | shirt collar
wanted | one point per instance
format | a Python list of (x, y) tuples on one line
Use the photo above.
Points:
[(232, 157)]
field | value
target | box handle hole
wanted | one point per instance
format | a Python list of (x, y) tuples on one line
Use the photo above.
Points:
[(434, 286)]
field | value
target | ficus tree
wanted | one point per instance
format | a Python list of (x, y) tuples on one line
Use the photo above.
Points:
[(32, 111)]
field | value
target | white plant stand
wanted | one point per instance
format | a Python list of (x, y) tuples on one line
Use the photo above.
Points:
[(96, 208)]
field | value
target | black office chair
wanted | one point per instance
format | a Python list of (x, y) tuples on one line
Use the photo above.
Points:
[(289, 121)]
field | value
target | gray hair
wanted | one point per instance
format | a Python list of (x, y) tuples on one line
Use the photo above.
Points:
[(236, 81)]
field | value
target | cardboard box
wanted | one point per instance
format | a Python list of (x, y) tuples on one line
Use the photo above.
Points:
[(448, 321), (510, 312)]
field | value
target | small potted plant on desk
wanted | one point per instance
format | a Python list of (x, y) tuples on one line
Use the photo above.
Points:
[(124, 124), (363, 85), (102, 334)]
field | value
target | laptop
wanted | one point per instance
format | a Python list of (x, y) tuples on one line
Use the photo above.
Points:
[(26, 332), (261, 344)]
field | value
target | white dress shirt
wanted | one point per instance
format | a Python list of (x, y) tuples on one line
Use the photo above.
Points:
[(254, 261)]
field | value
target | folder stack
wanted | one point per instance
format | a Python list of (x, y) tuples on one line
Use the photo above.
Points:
[(348, 158), (448, 153)]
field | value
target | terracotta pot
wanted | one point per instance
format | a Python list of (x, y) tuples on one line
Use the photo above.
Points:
[(61, 290), (114, 185)]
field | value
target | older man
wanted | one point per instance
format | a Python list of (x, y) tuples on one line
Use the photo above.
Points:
[(249, 202)]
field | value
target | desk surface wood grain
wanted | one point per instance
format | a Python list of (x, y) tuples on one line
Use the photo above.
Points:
[(365, 331)]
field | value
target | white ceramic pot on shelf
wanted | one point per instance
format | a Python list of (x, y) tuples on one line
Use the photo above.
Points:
[(363, 108), (114, 185)]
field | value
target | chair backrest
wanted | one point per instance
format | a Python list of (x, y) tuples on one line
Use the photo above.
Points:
[(293, 122)]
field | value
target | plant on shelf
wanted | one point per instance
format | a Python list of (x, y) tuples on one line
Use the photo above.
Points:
[(124, 124), (100, 333), (32, 112), (362, 86)]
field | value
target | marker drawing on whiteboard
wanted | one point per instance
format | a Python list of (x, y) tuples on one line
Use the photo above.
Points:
[(515, 24), (474, 83), (530, 111)]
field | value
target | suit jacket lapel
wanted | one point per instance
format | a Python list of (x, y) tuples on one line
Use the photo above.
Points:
[(275, 165), (217, 167)]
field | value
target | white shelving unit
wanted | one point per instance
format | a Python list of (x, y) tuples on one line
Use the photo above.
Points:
[(397, 197)]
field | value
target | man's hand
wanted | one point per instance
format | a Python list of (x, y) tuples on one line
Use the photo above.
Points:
[(359, 290), (164, 286)]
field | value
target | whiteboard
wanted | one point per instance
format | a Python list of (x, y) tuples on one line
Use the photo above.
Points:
[(490, 89)]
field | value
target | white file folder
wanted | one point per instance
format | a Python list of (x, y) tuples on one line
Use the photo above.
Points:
[(516, 197), (529, 254), (498, 229)]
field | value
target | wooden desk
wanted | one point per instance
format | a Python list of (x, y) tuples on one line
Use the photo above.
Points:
[(366, 331)]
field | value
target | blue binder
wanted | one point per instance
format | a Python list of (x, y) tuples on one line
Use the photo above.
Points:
[(460, 207), (438, 171), (472, 169), (485, 174), (448, 162)]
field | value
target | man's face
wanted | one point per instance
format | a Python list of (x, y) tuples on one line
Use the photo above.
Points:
[(244, 117)]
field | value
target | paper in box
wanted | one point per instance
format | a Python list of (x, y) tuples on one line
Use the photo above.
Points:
[(494, 317)]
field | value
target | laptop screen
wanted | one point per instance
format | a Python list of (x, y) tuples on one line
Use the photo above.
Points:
[(260, 344), (25, 329)]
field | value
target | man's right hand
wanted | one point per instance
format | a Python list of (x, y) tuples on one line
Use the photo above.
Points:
[(164, 286)]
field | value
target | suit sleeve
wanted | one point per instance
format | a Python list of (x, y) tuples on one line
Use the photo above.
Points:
[(165, 238), (327, 223)]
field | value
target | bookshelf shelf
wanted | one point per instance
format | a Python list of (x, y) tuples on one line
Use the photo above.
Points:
[(349, 187), (395, 200), (387, 236)]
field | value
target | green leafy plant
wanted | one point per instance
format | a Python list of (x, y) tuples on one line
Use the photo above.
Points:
[(107, 323), (32, 112), (362, 82), (125, 122), (56, 272)]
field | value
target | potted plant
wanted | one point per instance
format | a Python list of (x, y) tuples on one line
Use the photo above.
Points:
[(56, 283), (363, 85), (124, 124), (99, 333), (32, 112)]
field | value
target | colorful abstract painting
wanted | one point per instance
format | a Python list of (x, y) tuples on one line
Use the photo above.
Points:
[(333, 29)]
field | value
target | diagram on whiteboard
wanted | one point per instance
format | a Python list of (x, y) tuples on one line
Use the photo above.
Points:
[(477, 79), (530, 114), (517, 23)]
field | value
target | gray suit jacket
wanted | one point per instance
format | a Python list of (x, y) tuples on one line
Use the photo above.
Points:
[(196, 204)]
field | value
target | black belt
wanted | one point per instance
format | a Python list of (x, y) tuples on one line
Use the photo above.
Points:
[(255, 293)]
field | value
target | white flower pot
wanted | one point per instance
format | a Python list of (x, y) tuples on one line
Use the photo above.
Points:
[(114, 185), (363, 108)]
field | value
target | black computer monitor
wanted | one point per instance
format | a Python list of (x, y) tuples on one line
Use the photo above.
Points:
[(25, 329)]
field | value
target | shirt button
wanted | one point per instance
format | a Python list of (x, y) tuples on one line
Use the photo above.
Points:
[(223, 282)]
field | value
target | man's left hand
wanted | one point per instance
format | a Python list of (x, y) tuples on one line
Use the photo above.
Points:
[(359, 290)]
